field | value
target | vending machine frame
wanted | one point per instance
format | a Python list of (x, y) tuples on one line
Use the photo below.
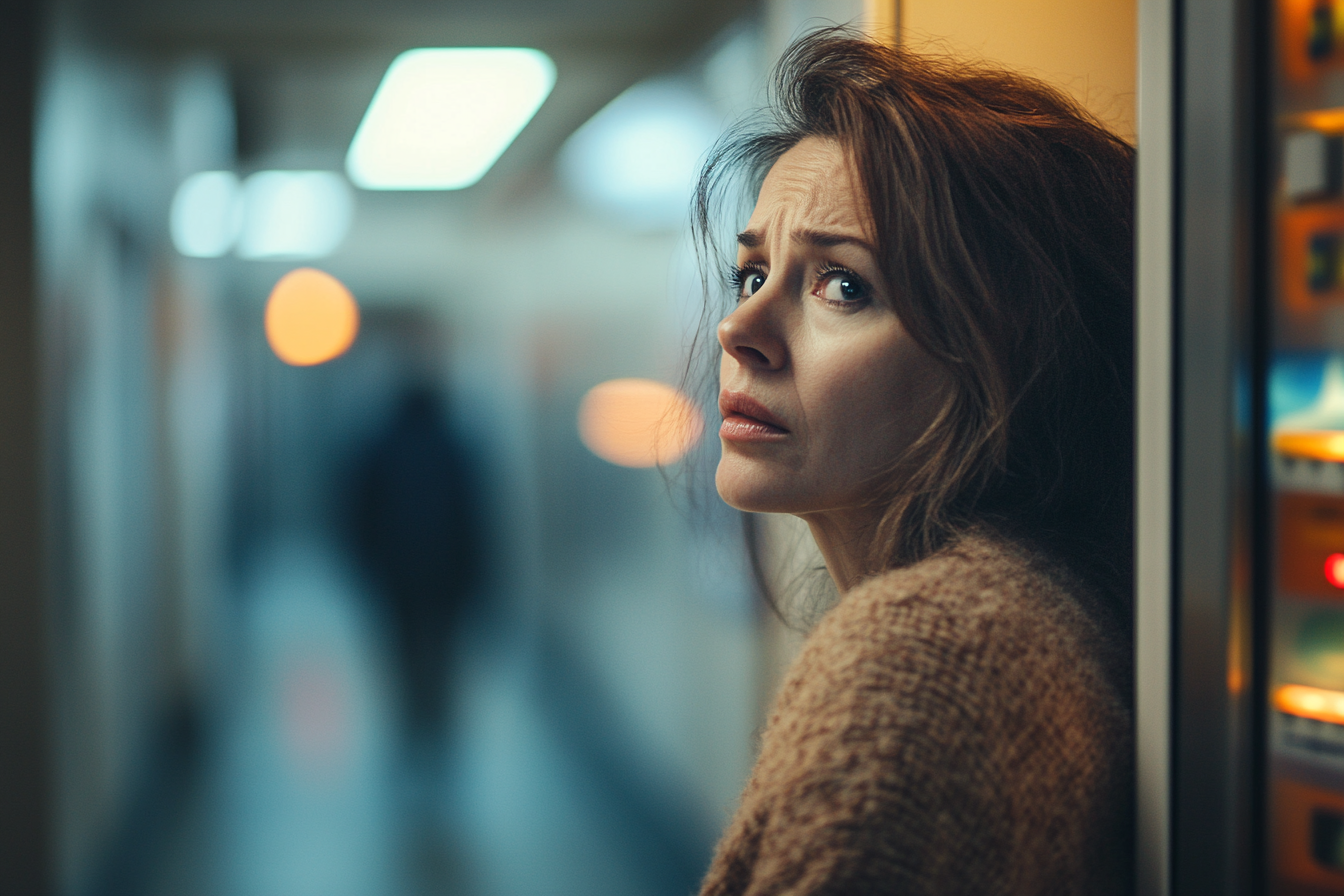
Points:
[(1202, 537)]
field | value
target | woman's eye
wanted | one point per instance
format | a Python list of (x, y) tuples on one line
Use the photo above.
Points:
[(748, 282), (842, 286)]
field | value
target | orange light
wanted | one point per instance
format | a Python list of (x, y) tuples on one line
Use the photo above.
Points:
[(638, 423), (310, 318), (1325, 445), (1310, 703), (1330, 121)]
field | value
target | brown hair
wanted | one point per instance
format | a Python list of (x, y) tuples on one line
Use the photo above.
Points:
[(1003, 214)]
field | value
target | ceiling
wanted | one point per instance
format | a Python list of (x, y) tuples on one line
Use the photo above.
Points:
[(305, 70), (302, 73)]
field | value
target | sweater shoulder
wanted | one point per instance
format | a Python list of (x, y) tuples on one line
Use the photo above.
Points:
[(984, 613), (977, 575), (945, 729)]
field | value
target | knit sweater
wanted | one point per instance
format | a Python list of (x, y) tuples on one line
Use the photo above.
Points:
[(959, 726)]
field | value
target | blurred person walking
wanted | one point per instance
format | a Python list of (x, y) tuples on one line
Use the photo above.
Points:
[(415, 527)]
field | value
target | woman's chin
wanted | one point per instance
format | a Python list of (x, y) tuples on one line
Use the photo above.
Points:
[(749, 490)]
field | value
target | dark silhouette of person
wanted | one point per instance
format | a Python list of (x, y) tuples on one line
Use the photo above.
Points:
[(416, 531)]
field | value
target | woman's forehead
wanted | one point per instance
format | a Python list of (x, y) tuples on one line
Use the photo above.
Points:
[(812, 186)]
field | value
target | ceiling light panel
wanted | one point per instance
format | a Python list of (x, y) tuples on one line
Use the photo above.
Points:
[(441, 117)]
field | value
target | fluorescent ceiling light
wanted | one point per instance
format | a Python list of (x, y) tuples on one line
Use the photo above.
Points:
[(206, 214), (640, 156), (294, 214), (441, 117)]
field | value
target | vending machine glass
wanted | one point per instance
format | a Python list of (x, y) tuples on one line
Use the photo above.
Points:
[(1305, 405)]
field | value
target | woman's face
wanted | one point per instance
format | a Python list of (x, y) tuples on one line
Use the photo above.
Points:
[(822, 388)]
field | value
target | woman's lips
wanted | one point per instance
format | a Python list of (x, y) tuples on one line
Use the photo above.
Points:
[(747, 420)]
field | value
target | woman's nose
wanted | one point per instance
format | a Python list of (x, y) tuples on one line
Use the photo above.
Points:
[(752, 337)]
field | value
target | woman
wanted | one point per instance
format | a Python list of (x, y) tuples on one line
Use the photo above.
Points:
[(929, 362)]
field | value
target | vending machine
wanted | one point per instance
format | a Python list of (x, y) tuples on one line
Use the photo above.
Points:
[(1303, 386), (1240, 526)]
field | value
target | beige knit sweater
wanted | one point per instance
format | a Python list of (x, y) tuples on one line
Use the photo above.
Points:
[(959, 726)]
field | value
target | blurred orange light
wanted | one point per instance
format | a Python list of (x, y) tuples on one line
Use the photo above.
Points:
[(1330, 121), (1325, 445), (310, 318), (638, 423), (1310, 703)]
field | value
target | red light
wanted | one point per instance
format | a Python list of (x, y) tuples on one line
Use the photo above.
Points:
[(1334, 570)]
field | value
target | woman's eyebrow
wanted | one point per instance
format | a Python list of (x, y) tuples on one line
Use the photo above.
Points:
[(826, 239), (751, 239)]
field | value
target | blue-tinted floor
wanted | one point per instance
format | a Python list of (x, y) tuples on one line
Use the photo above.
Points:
[(305, 787)]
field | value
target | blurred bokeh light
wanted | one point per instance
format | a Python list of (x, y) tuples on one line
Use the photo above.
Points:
[(294, 214), (638, 158), (639, 423), (310, 318), (207, 214)]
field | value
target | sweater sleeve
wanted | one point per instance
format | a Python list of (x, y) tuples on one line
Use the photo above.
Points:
[(936, 742)]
